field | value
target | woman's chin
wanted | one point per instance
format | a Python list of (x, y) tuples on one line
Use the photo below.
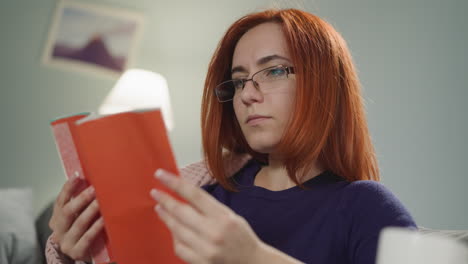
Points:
[(262, 147)]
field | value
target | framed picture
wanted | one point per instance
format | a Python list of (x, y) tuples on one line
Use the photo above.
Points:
[(92, 38)]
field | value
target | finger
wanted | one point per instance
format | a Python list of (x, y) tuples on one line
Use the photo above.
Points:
[(73, 209), (86, 241), (201, 200), (186, 253), (83, 222), (182, 216), (65, 195), (80, 202), (67, 191), (187, 244), (182, 212)]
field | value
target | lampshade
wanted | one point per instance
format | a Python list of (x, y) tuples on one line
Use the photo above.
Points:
[(137, 90)]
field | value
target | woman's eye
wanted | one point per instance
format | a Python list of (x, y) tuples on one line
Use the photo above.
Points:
[(276, 72), (238, 83)]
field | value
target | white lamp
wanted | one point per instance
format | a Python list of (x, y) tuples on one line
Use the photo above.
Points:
[(137, 90)]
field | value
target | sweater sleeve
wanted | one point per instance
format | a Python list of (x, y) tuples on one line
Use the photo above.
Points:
[(370, 207), (55, 256), (196, 173)]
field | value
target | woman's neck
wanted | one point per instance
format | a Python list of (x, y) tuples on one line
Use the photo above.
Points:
[(274, 176)]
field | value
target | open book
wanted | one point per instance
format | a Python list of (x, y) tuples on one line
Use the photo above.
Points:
[(118, 154)]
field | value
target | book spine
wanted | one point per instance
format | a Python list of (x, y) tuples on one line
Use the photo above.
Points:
[(72, 166)]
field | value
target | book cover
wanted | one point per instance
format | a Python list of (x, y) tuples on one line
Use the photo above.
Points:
[(118, 154)]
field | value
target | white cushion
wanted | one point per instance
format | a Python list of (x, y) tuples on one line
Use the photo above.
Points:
[(18, 241)]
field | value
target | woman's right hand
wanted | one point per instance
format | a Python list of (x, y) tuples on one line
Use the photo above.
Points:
[(76, 221)]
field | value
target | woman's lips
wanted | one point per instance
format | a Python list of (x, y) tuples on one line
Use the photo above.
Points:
[(256, 119)]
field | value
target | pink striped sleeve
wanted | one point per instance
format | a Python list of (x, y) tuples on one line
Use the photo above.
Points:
[(54, 256), (198, 174)]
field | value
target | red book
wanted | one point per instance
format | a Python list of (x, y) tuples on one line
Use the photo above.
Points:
[(118, 155)]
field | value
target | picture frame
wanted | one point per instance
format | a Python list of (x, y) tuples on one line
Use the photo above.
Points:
[(92, 38)]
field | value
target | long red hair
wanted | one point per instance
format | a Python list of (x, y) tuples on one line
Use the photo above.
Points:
[(328, 124)]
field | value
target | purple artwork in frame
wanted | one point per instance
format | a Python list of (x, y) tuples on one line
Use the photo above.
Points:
[(92, 38)]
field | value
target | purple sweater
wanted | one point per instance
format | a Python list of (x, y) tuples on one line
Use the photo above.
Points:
[(334, 221)]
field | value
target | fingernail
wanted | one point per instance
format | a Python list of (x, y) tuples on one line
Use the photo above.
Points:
[(163, 176), (155, 194), (91, 190), (76, 175), (160, 173)]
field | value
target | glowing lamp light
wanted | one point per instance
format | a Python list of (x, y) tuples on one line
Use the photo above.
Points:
[(139, 90)]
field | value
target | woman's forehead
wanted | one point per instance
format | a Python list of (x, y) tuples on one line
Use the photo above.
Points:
[(260, 42)]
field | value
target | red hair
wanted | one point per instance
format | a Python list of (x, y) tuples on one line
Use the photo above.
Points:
[(328, 124)]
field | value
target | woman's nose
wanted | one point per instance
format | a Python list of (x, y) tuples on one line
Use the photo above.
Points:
[(251, 92)]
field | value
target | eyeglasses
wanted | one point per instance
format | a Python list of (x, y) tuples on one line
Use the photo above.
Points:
[(225, 91)]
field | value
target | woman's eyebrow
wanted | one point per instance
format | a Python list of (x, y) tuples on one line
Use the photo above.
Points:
[(267, 59), (260, 62), (238, 69)]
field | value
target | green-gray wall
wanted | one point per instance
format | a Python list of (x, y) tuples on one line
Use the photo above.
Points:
[(411, 56)]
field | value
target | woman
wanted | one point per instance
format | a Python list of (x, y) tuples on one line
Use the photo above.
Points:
[(285, 137)]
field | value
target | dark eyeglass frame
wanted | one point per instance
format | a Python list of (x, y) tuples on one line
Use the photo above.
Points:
[(288, 69)]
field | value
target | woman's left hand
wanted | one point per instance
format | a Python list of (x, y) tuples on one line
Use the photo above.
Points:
[(203, 229)]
